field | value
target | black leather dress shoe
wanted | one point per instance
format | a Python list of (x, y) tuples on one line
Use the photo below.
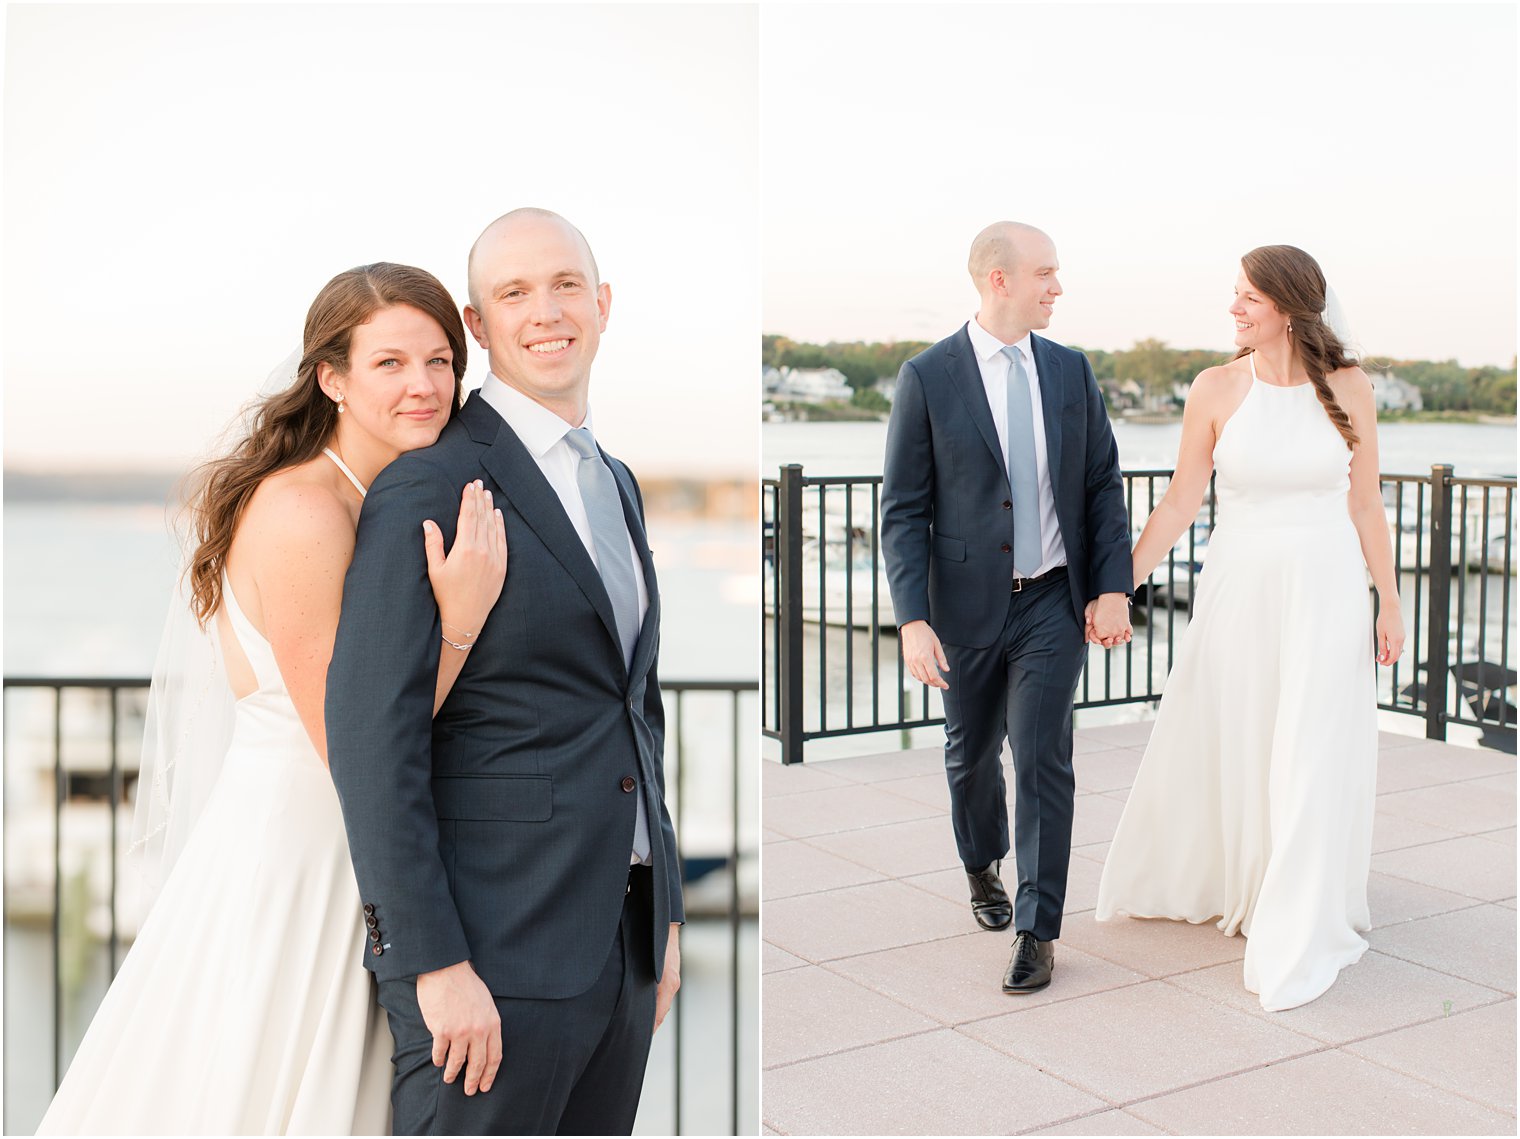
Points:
[(989, 901), (1029, 965)]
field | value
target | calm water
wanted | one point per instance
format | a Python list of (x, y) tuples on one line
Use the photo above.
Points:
[(857, 448), (87, 588), (1404, 448)]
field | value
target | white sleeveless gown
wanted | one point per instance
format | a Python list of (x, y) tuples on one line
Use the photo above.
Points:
[(1254, 801), (243, 1007)]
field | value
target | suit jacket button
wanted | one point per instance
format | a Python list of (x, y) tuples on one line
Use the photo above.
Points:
[(376, 950), (628, 784), (369, 909), (1006, 548), (1007, 505)]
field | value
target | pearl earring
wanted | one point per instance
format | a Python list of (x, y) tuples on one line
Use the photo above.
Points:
[(340, 405)]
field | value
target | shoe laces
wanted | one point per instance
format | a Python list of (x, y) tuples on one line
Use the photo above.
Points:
[(1026, 947)]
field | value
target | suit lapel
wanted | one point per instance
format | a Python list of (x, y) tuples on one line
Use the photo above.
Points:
[(523, 484), (966, 379), (1052, 401)]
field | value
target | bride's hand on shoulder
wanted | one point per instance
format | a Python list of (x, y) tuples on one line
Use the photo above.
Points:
[(467, 582)]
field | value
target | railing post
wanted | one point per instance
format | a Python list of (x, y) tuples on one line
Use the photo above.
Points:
[(1439, 617), (789, 567)]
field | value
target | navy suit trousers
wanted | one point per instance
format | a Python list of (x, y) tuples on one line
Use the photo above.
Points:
[(1019, 688)]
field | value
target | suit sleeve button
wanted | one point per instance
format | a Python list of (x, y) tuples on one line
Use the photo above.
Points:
[(369, 909), (374, 935), (371, 922), (628, 784), (376, 950)]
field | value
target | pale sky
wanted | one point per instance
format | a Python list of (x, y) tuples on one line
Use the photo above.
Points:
[(181, 180), (1155, 144)]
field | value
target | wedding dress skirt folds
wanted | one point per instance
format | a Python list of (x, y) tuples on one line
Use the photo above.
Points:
[(244, 1007), (1253, 804)]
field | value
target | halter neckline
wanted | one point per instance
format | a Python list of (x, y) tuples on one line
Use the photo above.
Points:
[(342, 466), (1258, 380)]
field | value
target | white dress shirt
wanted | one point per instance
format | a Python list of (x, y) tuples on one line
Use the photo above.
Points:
[(543, 433), (995, 368)]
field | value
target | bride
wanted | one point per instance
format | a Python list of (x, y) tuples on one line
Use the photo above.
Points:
[(243, 1007), (1254, 801)]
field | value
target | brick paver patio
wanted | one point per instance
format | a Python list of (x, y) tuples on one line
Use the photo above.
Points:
[(883, 1015)]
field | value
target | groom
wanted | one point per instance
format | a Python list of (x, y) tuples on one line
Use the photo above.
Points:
[(517, 865), (1007, 546)]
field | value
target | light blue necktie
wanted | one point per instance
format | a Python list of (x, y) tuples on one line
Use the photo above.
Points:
[(609, 536), (1023, 478)]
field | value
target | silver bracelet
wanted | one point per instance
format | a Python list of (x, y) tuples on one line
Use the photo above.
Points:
[(457, 629), (464, 648)]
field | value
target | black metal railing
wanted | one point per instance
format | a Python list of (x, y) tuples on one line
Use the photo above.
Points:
[(830, 665), (84, 745)]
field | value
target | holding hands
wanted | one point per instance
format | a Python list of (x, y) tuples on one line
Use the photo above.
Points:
[(1108, 620)]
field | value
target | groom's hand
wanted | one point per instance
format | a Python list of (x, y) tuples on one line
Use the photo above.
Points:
[(670, 979), (1108, 620), (923, 654), (458, 1010)]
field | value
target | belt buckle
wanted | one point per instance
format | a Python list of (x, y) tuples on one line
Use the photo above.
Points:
[(1018, 584)]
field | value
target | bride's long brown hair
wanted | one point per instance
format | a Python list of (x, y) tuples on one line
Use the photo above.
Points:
[(1292, 280), (293, 426)]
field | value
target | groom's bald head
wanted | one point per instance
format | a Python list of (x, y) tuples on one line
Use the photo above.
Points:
[(1003, 245), (503, 229)]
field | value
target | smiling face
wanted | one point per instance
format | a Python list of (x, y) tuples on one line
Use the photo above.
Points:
[(1258, 321), (538, 309), (1031, 281), (1015, 270), (398, 388)]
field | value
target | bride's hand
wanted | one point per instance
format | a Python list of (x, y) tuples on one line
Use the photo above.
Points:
[(468, 581), (1389, 634)]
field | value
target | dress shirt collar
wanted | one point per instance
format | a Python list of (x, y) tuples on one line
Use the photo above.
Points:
[(532, 422), (986, 345)]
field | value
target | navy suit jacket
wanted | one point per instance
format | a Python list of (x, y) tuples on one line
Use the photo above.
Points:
[(498, 831), (946, 514)]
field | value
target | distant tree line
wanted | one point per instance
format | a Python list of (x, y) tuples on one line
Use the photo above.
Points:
[(861, 364), (1152, 364), (1447, 386)]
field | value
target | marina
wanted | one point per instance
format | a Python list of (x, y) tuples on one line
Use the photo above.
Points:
[(831, 665)]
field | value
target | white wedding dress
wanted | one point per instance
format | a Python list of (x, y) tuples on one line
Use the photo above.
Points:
[(243, 1007), (1254, 801)]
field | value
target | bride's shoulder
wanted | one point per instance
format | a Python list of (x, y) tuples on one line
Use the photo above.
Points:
[(1353, 378), (1223, 381), (1351, 387), (299, 501)]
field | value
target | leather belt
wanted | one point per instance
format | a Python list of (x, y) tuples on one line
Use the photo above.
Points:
[(1022, 583), (632, 870)]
